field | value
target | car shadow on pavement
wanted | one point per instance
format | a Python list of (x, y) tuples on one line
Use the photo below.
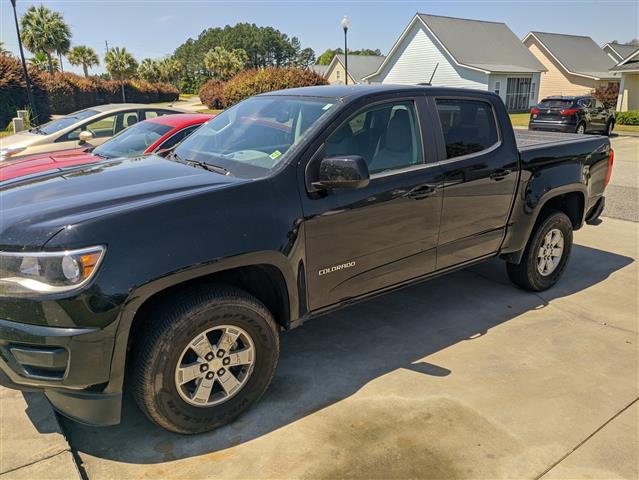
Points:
[(335, 355)]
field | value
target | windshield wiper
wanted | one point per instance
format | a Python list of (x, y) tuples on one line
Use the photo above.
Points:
[(208, 166)]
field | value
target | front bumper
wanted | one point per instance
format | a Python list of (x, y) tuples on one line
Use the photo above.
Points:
[(71, 366)]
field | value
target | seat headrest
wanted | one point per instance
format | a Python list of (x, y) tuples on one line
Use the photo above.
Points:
[(131, 120), (398, 135)]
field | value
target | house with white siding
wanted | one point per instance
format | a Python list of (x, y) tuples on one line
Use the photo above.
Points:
[(458, 52)]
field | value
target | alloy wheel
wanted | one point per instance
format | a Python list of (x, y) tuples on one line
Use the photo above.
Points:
[(215, 366), (550, 252)]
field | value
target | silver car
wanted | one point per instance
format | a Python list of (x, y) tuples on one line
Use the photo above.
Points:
[(90, 127)]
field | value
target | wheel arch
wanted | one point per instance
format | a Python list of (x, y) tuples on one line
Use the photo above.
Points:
[(265, 275)]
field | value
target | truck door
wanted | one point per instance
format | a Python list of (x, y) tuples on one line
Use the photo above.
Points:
[(362, 240), (480, 175)]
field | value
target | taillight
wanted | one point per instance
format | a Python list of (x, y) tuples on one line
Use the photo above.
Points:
[(534, 111), (566, 112), (611, 160)]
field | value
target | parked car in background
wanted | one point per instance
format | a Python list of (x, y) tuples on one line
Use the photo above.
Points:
[(90, 127), (582, 114), (181, 271), (153, 135)]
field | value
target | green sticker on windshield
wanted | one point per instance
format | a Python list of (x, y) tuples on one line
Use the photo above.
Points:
[(275, 154), (327, 106)]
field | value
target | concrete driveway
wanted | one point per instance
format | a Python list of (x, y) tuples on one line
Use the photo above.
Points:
[(460, 377)]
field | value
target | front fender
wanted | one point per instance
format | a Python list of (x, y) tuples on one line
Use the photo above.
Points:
[(141, 294)]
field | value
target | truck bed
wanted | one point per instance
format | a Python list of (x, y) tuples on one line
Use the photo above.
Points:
[(528, 139)]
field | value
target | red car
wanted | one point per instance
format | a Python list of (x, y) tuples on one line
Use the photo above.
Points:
[(153, 135)]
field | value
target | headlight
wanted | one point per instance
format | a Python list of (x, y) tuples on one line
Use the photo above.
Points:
[(10, 152), (24, 273)]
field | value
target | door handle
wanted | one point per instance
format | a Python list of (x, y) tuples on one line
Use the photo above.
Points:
[(421, 192), (500, 174)]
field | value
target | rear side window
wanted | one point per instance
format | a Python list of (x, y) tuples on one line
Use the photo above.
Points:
[(468, 126)]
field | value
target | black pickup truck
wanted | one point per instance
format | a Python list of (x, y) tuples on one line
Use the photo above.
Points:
[(182, 270)]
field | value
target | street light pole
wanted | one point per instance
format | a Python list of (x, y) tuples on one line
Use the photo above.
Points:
[(345, 24), (24, 65)]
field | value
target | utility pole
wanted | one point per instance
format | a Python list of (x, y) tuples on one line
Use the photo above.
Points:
[(106, 42), (27, 80), (345, 24)]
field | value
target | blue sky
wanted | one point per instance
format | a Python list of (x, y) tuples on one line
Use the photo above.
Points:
[(154, 28)]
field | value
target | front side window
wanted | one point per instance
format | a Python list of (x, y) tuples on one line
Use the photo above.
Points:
[(253, 137), (468, 126), (105, 127), (386, 136), (132, 141)]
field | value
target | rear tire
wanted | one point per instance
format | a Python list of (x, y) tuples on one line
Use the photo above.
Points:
[(540, 267), (581, 128), (609, 127), (231, 379)]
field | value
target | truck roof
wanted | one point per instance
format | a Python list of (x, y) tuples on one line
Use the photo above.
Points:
[(361, 90)]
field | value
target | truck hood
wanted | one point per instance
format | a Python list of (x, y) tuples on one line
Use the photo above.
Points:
[(35, 209)]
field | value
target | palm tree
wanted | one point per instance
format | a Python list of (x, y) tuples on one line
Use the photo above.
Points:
[(149, 70), (85, 56), (169, 69), (121, 65), (44, 31), (42, 63), (3, 51)]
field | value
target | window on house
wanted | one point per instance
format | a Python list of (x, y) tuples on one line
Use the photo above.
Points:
[(532, 92), (338, 74), (497, 87)]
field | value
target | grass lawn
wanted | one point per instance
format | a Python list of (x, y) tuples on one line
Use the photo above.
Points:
[(208, 110), (626, 128), (519, 119), (186, 96)]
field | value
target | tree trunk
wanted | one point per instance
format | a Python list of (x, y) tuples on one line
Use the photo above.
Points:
[(60, 60), (123, 96), (86, 70), (50, 61)]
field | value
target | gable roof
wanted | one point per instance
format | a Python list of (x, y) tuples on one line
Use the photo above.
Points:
[(630, 63), (620, 50), (488, 47), (358, 65), (577, 54)]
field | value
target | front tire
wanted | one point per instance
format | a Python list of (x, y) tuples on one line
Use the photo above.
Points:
[(546, 254), (609, 127), (203, 359)]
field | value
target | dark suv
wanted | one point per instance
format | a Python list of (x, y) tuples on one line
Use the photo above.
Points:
[(572, 114)]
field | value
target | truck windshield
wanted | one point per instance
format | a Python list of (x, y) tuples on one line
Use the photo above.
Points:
[(253, 137)]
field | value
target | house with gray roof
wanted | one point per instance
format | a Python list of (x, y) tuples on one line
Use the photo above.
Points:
[(458, 52), (574, 64), (358, 67), (619, 51), (628, 68), (319, 69)]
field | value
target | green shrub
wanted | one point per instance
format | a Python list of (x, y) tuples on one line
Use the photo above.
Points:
[(212, 94), (630, 117), (63, 93), (252, 82)]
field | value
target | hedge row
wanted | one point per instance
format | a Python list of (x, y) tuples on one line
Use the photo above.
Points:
[(630, 117), (216, 94), (63, 93)]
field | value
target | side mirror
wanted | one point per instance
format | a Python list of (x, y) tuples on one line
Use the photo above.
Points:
[(343, 172), (85, 136)]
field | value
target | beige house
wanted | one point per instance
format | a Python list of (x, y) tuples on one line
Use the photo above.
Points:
[(575, 64), (358, 67), (628, 98)]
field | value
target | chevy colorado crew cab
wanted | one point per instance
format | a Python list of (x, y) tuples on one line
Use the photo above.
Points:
[(172, 277)]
